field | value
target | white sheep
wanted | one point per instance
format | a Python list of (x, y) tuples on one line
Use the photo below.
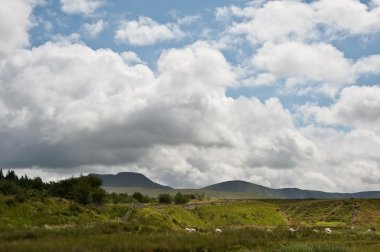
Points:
[(192, 230), (218, 230), (315, 230), (369, 230), (328, 230), (293, 230), (268, 230), (188, 230)]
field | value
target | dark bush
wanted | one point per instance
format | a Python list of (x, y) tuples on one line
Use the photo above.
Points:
[(98, 196), (138, 196), (20, 197), (8, 187), (180, 198), (165, 199)]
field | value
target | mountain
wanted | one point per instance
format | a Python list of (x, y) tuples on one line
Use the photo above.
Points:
[(236, 188), (128, 179), (258, 191)]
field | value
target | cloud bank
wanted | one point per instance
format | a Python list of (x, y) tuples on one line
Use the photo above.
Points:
[(66, 107)]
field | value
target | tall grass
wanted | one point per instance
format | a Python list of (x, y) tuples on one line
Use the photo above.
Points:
[(115, 238)]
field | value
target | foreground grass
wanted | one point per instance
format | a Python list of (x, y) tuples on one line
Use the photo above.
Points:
[(114, 238)]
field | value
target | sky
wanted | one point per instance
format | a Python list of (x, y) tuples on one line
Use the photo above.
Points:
[(190, 93)]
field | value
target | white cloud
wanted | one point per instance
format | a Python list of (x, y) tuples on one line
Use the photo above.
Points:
[(14, 25), (93, 29), (350, 159), (350, 16), (68, 107), (368, 65), (357, 107), (226, 13), (262, 79), (146, 31), (187, 20), (131, 58), (318, 62), (292, 42), (275, 21), (295, 20), (89, 108), (86, 7)]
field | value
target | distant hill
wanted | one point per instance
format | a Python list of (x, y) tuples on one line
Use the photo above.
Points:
[(258, 191), (128, 179)]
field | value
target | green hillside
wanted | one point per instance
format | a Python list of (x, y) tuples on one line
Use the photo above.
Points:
[(33, 213), (61, 225)]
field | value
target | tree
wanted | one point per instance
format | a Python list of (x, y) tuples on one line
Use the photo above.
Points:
[(82, 193), (138, 196), (98, 196), (11, 175), (82, 189), (165, 199), (1, 174), (180, 198), (92, 180), (8, 187), (37, 183)]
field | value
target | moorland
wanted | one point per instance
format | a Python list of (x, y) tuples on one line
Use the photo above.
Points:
[(78, 215)]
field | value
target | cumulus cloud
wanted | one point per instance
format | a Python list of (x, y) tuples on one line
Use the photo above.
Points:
[(295, 20), (354, 152), (14, 25), (187, 20), (357, 107), (91, 108), (131, 57), (351, 16), (318, 62), (146, 31), (368, 65), (262, 79), (93, 29), (292, 43), (85, 7), (275, 21)]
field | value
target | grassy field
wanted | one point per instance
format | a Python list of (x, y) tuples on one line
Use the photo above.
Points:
[(61, 225)]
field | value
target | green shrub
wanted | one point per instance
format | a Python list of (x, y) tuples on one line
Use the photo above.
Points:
[(8, 187), (180, 198), (98, 196), (165, 198)]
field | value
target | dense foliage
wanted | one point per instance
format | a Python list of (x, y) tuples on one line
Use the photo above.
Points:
[(84, 189), (165, 198)]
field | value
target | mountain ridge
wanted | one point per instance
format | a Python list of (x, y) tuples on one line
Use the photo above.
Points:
[(128, 179), (138, 180), (284, 193)]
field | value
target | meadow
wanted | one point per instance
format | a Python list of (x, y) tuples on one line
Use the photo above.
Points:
[(55, 224)]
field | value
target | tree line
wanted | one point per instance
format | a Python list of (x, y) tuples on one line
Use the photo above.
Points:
[(83, 189)]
